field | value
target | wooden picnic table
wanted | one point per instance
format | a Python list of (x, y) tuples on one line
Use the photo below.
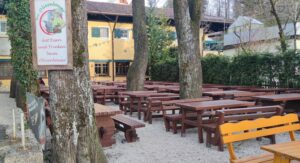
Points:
[(290, 101), (223, 94), (105, 124), (177, 89), (280, 97), (275, 90), (140, 96), (201, 107), (284, 152), (105, 90), (226, 87), (152, 87)]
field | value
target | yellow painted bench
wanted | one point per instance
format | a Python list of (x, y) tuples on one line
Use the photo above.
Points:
[(234, 132)]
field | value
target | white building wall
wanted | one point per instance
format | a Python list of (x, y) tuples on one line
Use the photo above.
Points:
[(264, 46)]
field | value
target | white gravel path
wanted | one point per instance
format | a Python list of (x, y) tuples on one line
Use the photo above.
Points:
[(158, 146)]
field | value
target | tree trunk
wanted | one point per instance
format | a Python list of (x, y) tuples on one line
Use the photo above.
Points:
[(20, 96), (282, 37), (12, 92), (75, 137), (187, 22), (136, 73)]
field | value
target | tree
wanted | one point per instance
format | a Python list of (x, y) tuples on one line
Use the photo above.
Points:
[(19, 33), (136, 72), (160, 36), (187, 15), (295, 14), (75, 137), (282, 37)]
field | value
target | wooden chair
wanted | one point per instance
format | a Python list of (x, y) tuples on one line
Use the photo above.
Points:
[(236, 115), (172, 120), (244, 130)]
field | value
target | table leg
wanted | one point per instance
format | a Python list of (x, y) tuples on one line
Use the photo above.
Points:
[(199, 124), (131, 105), (104, 98), (281, 159), (183, 112), (139, 108)]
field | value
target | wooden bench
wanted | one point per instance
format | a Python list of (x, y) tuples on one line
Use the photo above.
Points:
[(128, 126), (124, 101), (236, 115), (172, 120), (154, 104), (244, 130)]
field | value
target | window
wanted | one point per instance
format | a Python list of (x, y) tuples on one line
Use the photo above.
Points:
[(6, 70), (121, 33), (122, 68), (101, 69), (3, 27), (100, 32)]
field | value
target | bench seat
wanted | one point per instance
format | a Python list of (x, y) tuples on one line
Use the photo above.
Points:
[(235, 132), (234, 116), (128, 126), (264, 158)]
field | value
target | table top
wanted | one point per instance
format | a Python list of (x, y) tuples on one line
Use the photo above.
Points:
[(102, 110), (228, 92), (107, 87), (280, 97), (217, 104), (271, 89), (140, 94), (290, 150)]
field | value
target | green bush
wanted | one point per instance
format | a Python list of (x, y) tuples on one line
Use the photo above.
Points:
[(215, 69), (253, 69)]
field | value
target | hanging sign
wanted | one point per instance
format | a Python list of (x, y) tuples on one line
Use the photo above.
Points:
[(51, 34)]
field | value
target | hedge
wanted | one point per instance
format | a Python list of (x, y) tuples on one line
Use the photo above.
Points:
[(256, 69)]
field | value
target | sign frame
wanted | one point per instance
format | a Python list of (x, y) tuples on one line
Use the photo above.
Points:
[(69, 65)]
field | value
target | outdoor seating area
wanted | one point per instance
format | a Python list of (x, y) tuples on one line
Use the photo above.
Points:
[(151, 81), (219, 105)]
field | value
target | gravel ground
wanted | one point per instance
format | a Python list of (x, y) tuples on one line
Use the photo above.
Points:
[(157, 145), (7, 104), (11, 149)]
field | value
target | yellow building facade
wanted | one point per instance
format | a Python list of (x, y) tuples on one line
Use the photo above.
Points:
[(107, 50), (5, 66)]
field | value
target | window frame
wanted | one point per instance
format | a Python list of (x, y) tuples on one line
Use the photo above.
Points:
[(101, 67), (11, 70), (123, 67), (5, 29), (122, 38), (99, 27)]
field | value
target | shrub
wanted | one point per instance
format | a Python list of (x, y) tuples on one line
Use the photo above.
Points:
[(253, 69)]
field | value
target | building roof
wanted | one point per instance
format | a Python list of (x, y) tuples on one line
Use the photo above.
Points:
[(242, 21), (259, 34), (126, 10)]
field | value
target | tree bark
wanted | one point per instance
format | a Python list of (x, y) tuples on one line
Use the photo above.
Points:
[(75, 137), (136, 73), (20, 93), (282, 38), (187, 15), (12, 92)]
